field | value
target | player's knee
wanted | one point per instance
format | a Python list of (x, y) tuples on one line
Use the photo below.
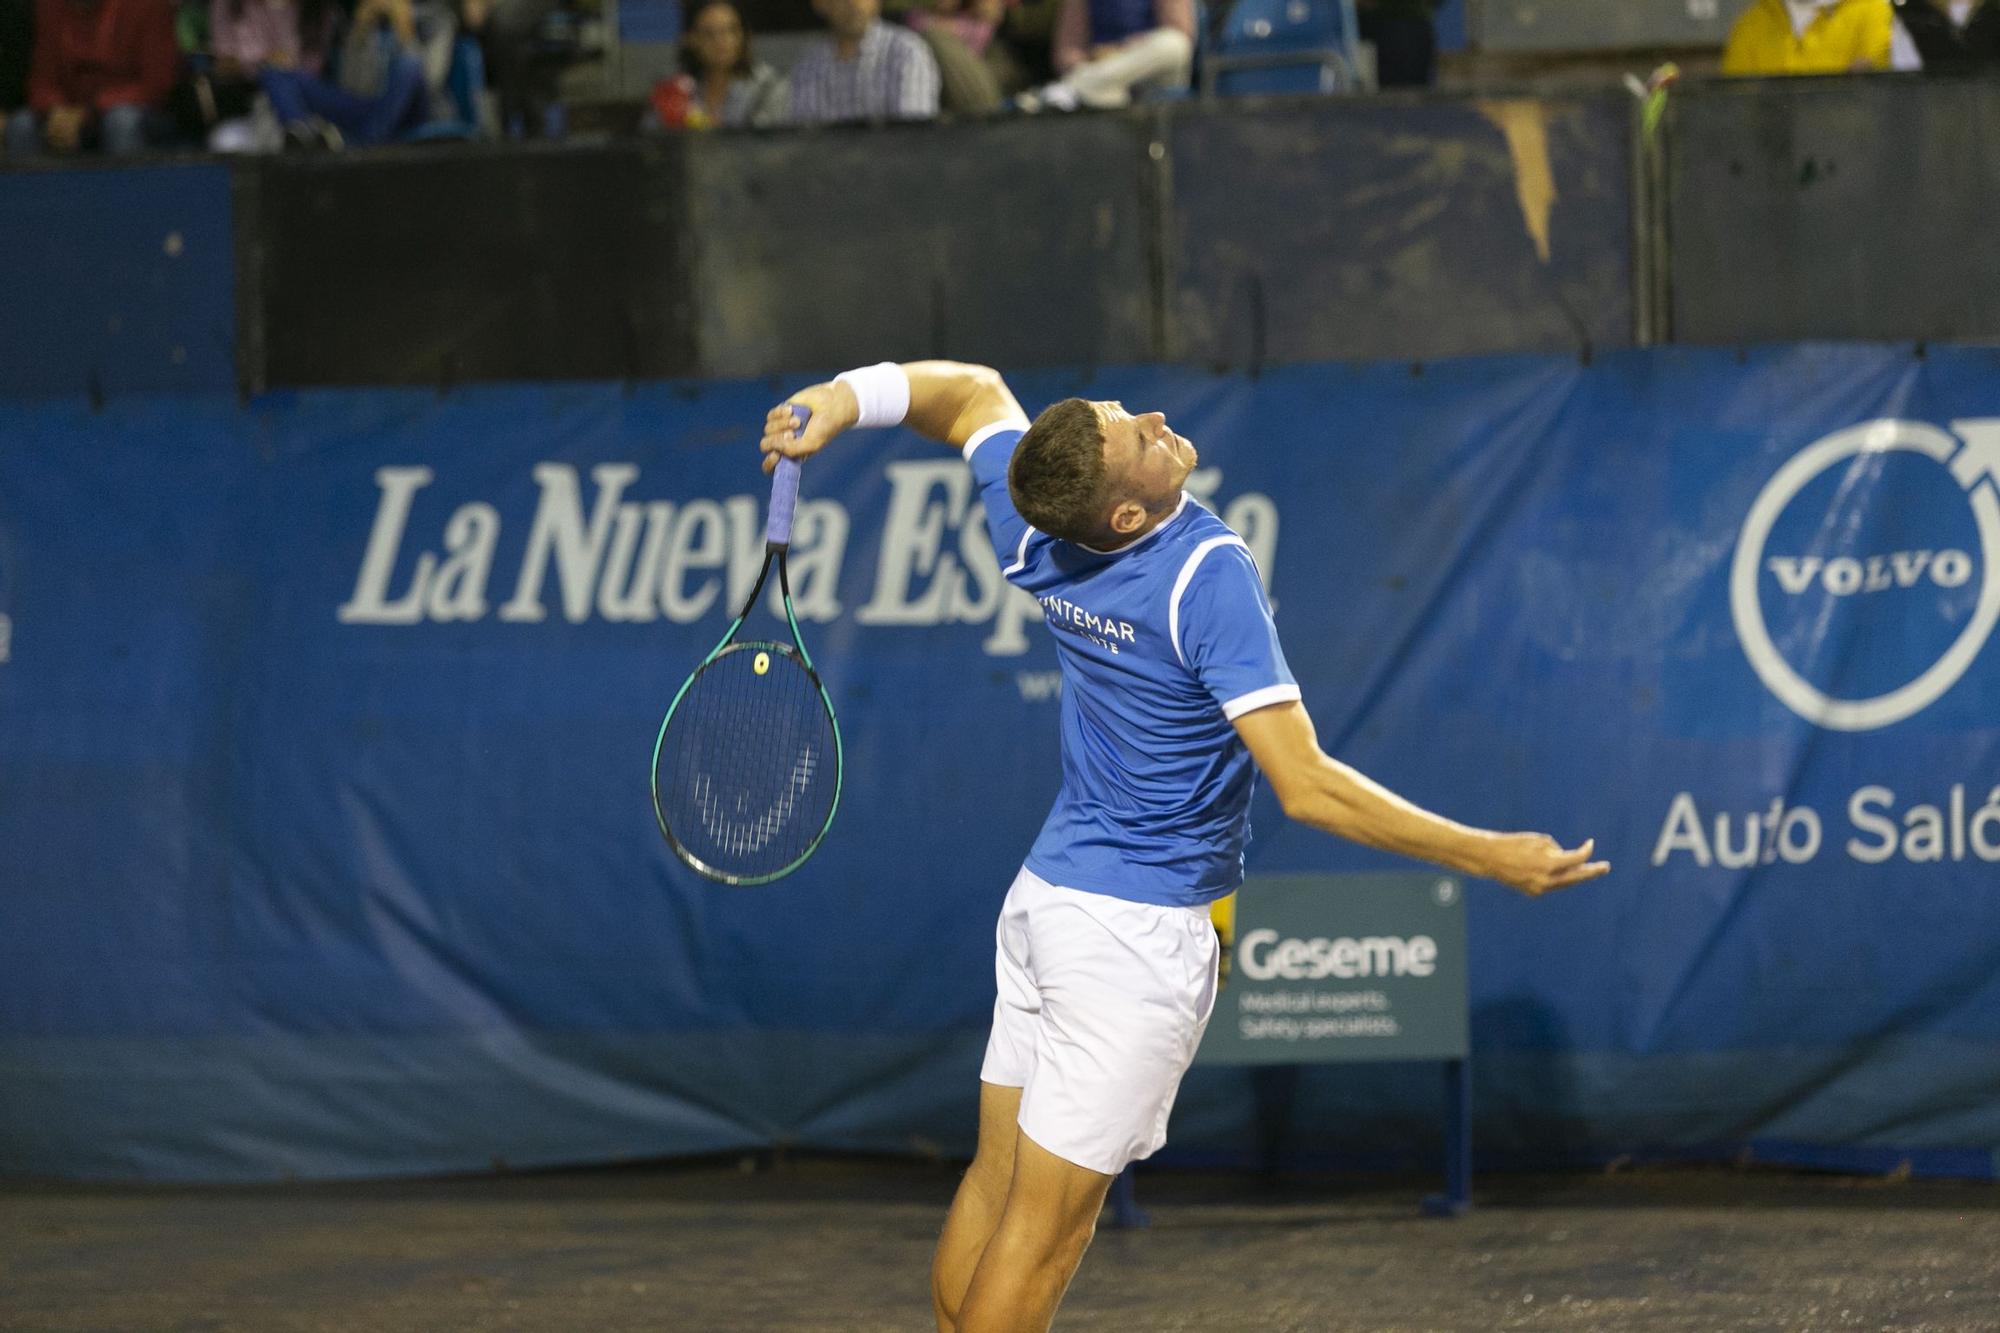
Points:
[(988, 1179), (1066, 1246), (1045, 1234)]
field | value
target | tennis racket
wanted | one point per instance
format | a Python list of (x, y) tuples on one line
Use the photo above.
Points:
[(746, 770)]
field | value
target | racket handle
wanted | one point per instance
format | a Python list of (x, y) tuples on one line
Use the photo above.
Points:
[(785, 489)]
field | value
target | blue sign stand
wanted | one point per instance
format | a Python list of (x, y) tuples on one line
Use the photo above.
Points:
[(1457, 1196), (1125, 1210), (1454, 1200), (1332, 969)]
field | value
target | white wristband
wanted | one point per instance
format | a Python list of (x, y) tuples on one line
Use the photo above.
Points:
[(883, 391)]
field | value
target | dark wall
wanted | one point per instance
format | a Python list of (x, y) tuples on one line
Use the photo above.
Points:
[(117, 280), (1308, 231), (1234, 234), (1020, 243), (1835, 208), (441, 267)]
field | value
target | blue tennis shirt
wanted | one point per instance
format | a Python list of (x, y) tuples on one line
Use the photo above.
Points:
[(1161, 644)]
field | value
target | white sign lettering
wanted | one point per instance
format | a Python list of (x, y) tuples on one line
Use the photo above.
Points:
[(1265, 956), (1958, 828), (595, 551)]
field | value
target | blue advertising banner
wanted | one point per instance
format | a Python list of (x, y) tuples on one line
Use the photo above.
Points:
[(324, 729)]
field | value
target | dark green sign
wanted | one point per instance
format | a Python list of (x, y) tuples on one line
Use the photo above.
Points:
[(1330, 968)]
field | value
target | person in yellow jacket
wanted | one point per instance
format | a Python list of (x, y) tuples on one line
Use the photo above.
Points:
[(1809, 37)]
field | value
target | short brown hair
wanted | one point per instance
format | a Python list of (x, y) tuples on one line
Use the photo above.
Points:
[(1056, 477)]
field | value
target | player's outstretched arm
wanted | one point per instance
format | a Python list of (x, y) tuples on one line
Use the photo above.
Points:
[(1320, 791), (948, 401)]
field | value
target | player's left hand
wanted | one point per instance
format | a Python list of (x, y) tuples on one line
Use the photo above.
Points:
[(1535, 864), (834, 409)]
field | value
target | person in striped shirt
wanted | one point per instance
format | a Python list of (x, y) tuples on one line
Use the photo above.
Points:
[(865, 70)]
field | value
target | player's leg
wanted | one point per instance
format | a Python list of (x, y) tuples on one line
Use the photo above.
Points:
[(1051, 1214), (1010, 1056), (1124, 990), (976, 1208)]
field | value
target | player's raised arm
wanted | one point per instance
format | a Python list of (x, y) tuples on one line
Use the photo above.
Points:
[(1322, 792), (947, 401)]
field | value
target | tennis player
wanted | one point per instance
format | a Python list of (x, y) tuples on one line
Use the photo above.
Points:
[(1173, 683)]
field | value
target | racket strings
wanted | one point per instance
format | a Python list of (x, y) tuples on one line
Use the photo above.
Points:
[(750, 764)]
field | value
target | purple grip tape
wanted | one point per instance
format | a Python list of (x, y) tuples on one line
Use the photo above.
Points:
[(785, 489)]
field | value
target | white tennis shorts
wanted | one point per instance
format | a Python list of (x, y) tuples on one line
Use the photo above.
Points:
[(1102, 1004)]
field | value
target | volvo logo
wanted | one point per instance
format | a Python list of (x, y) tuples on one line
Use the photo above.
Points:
[(1973, 463)]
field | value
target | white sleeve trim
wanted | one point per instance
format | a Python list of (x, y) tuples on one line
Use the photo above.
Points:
[(987, 432), (1186, 577), (1264, 698), (1020, 556)]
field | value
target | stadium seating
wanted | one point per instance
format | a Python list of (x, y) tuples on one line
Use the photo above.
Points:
[(1284, 46)]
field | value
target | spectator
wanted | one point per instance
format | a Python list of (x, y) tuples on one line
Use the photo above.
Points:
[(1405, 40), (246, 38), (960, 35), (437, 33), (1020, 55), (866, 70), (720, 83), (1105, 50), (1809, 37), (509, 33), (380, 93), (17, 36), (1945, 36), (99, 77)]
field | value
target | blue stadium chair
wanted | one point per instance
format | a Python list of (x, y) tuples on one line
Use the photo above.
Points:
[(1285, 46)]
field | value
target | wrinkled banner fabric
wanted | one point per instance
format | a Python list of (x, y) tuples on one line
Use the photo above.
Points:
[(324, 726)]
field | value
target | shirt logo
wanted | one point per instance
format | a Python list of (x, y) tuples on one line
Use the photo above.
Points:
[(1104, 631)]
